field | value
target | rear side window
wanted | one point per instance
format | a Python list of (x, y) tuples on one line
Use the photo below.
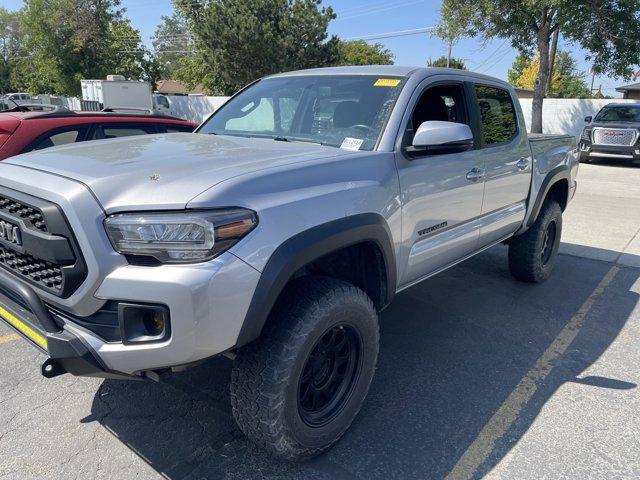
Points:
[(173, 128), (56, 138), (117, 131), (498, 119)]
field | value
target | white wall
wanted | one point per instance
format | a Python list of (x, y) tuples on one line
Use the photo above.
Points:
[(566, 115), (194, 107)]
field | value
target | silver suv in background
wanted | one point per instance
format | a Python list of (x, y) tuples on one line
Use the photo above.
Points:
[(613, 134), (275, 235)]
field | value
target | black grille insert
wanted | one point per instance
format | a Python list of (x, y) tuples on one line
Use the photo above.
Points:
[(26, 212), (47, 254), (39, 271)]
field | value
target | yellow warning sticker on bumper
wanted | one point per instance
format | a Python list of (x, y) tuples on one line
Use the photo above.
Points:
[(387, 82), (23, 327)]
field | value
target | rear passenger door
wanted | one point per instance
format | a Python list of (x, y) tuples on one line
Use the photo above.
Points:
[(504, 147)]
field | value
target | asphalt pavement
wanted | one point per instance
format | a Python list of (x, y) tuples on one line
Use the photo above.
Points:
[(479, 376)]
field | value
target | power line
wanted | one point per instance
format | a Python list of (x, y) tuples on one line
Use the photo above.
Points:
[(398, 33)]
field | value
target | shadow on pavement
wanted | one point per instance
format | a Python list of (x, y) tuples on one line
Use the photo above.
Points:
[(452, 350)]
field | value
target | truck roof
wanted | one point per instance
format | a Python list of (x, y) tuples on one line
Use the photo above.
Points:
[(392, 70)]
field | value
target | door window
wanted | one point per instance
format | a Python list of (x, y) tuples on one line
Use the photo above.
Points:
[(498, 120), (56, 138), (442, 102), (116, 131)]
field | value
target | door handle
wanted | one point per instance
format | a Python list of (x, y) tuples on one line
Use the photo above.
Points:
[(475, 174), (523, 163)]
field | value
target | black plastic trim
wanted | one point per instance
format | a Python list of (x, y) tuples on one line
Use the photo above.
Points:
[(561, 172), (310, 245)]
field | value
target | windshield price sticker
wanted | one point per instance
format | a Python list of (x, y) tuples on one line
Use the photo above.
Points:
[(351, 143), (387, 82)]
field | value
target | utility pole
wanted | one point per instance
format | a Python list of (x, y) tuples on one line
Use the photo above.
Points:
[(449, 53)]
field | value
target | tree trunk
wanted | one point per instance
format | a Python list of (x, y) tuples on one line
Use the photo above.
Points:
[(449, 54), (541, 79), (552, 60)]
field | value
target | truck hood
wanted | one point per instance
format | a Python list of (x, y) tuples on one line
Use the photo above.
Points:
[(165, 171)]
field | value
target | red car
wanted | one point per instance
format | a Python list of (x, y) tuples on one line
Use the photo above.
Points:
[(22, 132)]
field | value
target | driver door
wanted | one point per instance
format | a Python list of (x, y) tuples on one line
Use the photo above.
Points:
[(441, 194)]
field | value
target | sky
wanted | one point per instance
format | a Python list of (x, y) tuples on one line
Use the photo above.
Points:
[(371, 18)]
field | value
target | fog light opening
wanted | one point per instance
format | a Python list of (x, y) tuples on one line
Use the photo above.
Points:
[(143, 323)]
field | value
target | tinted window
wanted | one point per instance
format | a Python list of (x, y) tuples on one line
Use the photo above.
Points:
[(116, 131), (619, 114), (498, 119), (340, 110), (172, 128), (54, 139)]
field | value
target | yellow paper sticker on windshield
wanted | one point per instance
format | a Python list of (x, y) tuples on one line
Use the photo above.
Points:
[(387, 82)]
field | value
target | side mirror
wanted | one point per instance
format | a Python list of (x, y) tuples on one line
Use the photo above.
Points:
[(436, 137), (588, 119)]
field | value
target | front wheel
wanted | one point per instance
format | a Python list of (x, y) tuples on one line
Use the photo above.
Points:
[(532, 255), (296, 389)]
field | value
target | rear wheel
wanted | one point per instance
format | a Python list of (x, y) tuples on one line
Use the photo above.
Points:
[(532, 255), (296, 389)]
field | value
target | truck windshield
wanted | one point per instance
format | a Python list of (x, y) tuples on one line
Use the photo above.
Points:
[(629, 113), (348, 111)]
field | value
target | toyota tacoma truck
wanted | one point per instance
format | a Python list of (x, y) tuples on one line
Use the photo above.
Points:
[(275, 235), (614, 134)]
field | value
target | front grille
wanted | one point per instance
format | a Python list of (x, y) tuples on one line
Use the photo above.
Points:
[(46, 254), (39, 271), (625, 137), (29, 214)]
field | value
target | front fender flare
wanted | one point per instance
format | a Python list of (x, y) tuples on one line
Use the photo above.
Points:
[(310, 245)]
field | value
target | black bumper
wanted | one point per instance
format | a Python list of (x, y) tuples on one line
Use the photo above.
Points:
[(611, 152), (25, 312)]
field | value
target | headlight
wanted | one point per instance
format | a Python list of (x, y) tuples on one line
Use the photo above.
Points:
[(179, 237), (586, 135)]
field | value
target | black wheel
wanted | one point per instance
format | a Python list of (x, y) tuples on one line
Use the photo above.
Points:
[(532, 255), (296, 389)]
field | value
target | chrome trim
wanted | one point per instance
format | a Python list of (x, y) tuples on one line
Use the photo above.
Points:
[(609, 155)]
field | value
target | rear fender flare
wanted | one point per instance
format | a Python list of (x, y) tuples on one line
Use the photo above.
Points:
[(561, 172)]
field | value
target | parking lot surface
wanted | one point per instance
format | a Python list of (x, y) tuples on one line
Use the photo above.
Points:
[(479, 376)]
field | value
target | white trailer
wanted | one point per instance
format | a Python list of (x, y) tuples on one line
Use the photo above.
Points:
[(116, 92)]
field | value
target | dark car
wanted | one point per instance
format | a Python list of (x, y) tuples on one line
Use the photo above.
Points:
[(24, 131), (614, 133)]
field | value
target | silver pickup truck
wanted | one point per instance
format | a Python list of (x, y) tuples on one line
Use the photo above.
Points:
[(275, 235)]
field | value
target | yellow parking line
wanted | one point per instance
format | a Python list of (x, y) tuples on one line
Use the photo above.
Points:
[(9, 338), (508, 412)]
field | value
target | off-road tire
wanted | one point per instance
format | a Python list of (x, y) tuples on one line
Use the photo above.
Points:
[(526, 255), (266, 375)]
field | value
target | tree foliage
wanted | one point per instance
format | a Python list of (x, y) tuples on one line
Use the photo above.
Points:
[(359, 52), (172, 43), (11, 46), (568, 81), (239, 41), (442, 62), (608, 29), (68, 40)]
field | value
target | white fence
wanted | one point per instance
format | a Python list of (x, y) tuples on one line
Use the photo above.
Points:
[(559, 115), (566, 115)]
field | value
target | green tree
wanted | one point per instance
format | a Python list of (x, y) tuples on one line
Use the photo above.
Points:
[(69, 40), (451, 27), (517, 68), (11, 46), (239, 41), (359, 52), (568, 81), (608, 29), (172, 42), (443, 61)]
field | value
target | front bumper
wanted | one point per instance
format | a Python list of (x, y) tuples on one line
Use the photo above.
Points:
[(612, 152), (25, 312), (207, 304)]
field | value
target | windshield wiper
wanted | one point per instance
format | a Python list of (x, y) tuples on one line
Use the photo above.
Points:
[(281, 139)]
